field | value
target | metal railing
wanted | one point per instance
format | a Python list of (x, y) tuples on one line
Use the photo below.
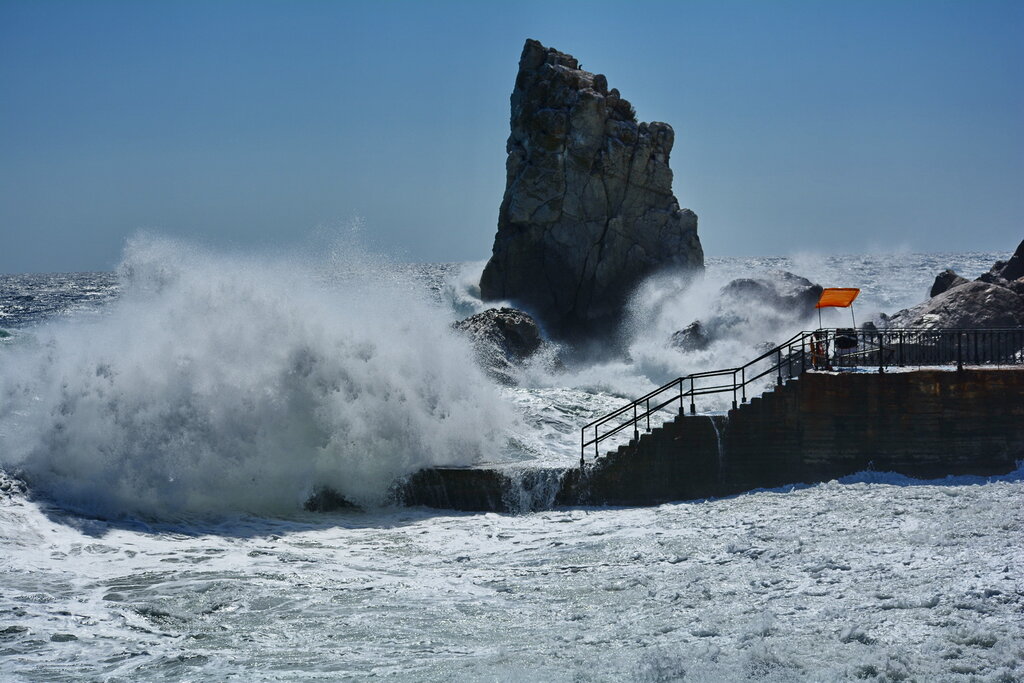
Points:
[(835, 349)]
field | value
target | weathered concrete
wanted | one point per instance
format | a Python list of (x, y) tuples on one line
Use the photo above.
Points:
[(488, 489), (926, 423)]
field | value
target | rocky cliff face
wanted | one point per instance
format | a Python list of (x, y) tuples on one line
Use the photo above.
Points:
[(588, 209)]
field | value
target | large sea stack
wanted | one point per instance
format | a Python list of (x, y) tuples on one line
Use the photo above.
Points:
[(588, 210)]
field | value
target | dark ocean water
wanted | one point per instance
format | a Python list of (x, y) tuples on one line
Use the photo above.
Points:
[(32, 298)]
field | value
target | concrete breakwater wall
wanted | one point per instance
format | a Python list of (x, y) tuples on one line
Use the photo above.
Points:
[(925, 423)]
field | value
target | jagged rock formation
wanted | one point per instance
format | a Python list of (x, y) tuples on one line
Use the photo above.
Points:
[(1014, 268), (588, 210), (994, 300), (503, 339), (946, 280)]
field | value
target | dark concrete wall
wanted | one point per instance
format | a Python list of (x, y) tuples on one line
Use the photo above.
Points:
[(924, 423), (927, 423), (482, 489)]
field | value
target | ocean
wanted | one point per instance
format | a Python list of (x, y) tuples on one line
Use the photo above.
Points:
[(162, 425)]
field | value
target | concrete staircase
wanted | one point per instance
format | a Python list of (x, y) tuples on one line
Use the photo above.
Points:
[(821, 426)]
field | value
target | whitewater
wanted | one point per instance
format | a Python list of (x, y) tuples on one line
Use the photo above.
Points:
[(162, 426)]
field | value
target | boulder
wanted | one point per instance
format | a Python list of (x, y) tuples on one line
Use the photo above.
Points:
[(588, 210), (783, 291), (503, 339), (751, 306), (977, 304), (993, 276), (693, 337), (945, 281), (326, 499)]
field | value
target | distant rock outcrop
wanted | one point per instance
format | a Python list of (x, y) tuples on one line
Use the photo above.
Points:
[(784, 291), (975, 305), (588, 210), (776, 301), (503, 339), (994, 300)]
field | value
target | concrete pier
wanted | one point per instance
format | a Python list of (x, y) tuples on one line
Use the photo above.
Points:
[(923, 423)]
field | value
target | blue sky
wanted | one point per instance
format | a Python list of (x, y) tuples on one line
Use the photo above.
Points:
[(800, 126)]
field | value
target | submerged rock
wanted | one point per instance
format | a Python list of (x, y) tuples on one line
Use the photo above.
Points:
[(328, 500), (588, 210), (503, 338)]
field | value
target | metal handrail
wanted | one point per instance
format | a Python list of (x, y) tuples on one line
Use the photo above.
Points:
[(829, 349)]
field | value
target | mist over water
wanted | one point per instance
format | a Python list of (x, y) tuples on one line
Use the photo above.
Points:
[(244, 383)]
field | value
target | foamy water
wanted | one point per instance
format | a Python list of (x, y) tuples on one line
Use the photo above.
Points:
[(171, 423), (218, 383), (877, 578)]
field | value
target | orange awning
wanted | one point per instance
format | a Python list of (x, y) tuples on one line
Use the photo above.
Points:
[(837, 296)]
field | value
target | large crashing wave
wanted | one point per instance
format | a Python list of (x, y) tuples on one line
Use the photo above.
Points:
[(219, 384)]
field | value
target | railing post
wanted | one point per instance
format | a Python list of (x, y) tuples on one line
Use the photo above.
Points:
[(779, 366), (881, 358), (901, 348), (693, 407), (597, 453), (636, 430), (583, 442), (959, 351), (743, 384), (648, 414), (734, 390)]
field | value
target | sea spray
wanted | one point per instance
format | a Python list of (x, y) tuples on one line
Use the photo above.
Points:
[(243, 383)]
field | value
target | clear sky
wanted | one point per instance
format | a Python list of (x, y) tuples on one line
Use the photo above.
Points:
[(800, 126)]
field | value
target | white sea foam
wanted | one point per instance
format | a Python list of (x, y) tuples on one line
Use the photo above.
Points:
[(875, 577), (878, 577), (241, 383)]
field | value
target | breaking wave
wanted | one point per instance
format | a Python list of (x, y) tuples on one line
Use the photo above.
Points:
[(239, 383)]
